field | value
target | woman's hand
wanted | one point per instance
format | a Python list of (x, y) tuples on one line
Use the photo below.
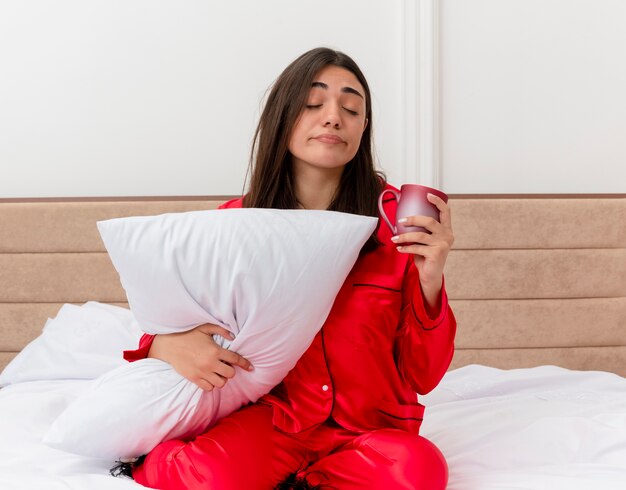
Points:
[(196, 356), (430, 251)]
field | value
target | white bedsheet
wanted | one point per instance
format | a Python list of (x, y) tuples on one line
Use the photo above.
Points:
[(544, 428), (26, 412)]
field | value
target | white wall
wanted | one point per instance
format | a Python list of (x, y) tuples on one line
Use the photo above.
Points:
[(533, 96), (160, 97)]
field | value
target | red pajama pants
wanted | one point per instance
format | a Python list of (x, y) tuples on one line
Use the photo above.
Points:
[(246, 451)]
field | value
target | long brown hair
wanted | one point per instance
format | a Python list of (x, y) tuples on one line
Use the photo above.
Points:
[(271, 183)]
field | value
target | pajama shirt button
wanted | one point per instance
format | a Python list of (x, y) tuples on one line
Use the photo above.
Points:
[(325, 388)]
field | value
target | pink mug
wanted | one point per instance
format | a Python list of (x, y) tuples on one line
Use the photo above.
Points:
[(412, 201)]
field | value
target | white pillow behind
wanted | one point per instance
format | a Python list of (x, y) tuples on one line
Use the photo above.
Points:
[(268, 276), (81, 342)]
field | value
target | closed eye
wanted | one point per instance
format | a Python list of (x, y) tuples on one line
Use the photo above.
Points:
[(317, 106)]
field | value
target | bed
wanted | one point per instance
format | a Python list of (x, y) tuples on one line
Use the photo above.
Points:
[(535, 397)]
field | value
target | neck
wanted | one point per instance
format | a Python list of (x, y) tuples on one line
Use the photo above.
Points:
[(316, 188)]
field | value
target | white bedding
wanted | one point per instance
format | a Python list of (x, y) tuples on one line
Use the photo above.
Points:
[(543, 428)]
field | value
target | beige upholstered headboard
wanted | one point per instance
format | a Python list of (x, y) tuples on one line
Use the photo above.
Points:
[(540, 281), (532, 280)]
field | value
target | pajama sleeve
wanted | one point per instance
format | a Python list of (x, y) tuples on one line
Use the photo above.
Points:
[(142, 351), (424, 342)]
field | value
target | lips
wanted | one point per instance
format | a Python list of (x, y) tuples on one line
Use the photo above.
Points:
[(329, 138)]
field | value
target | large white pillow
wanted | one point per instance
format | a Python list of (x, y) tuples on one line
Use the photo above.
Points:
[(268, 276), (81, 342)]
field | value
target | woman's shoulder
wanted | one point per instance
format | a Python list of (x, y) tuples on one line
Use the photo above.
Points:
[(388, 187), (232, 204), (389, 201)]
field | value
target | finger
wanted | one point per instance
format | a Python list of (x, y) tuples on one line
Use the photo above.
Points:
[(225, 370), (413, 237), (203, 384), (422, 250), (431, 224), (216, 380), (235, 359), (445, 216), (210, 329)]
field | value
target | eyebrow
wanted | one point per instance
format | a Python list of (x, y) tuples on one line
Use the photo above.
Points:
[(348, 90)]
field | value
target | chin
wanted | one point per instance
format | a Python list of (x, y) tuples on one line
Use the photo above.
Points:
[(331, 161), (339, 166), (325, 161)]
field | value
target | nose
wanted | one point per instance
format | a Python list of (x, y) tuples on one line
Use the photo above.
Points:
[(331, 117)]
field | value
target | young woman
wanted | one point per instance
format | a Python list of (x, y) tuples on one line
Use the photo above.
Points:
[(347, 415)]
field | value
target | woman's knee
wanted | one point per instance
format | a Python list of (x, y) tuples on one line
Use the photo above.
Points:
[(415, 462), (174, 465), (160, 466), (213, 459)]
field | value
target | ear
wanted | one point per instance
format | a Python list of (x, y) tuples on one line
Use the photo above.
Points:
[(365, 123)]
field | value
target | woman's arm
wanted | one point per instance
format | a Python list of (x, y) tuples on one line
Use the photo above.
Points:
[(425, 342), (194, 355)]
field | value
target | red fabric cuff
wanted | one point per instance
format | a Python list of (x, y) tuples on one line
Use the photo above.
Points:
[(420, 312), (142, 351)]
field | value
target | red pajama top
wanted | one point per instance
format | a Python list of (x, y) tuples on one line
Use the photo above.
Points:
[(376, 350)]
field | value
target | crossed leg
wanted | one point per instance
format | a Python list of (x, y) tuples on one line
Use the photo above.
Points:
[(244, 450), (388, 459)]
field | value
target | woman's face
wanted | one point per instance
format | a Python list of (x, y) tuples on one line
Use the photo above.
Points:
[(328, 131)]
